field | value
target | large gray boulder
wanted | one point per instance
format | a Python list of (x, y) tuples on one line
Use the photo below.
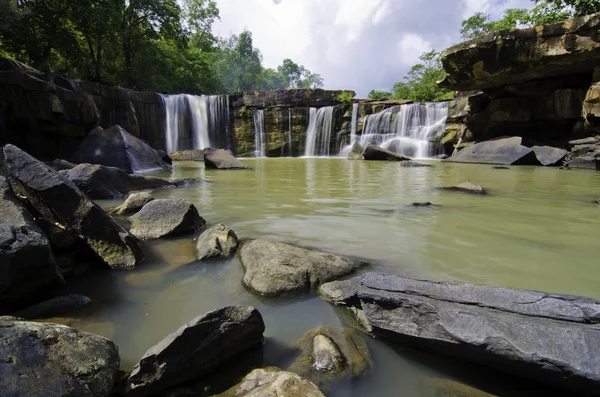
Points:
[(60, 201), (102, 182), (546, 337), (41, 360), (166, 217), (467, 187), (217, 242), (585, 162), (548, 155), (222, 160), (504, 151), (115, 147), (274, 268), (273, 382), (330, 354), (196, 349), (27, 265), (373, 152), (190, 155)]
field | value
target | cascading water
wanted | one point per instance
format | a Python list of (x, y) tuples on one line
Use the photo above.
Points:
[(318, 134), (344, 150), (407, 129), (195, 122), (289, 137), (260, 143)]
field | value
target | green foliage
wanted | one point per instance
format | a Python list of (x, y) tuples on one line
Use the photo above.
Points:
[(159, 45), (380, 95), (420, 83), (479, 23), (345, 97)]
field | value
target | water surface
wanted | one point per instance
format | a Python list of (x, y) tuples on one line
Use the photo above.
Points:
[(535, 230)]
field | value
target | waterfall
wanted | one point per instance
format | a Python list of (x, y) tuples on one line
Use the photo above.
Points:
[(260, 143), (407, 129), (290, 131), (318, 134), (195, 122), (354, 122)]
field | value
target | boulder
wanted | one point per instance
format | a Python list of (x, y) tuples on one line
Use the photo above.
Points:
[(39, 360), (271, 381), (439, 387), (504, 151), (27, 266), (548, 155), (196, 349), (467, 187), (60, 164), (166, 217), (60, 201), (222, 160), (356, 152), (592, 140), (355, 156), (585, 162), (54, 307), (273, 268), (134, 203), (329, 354), (522, 55), (373, 152), (115, 147), (102, 182), (217, 242), (190, 155), (530, 334)]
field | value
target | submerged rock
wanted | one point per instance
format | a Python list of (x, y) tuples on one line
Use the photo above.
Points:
[(330, 354), (526, 333), (217, 242), (500, 167), (196, 349), (274, 268), (166, 217), (467, 187), (190, 155), (411, 164), (101, 182), (437, 387), (134, 203), (27, 266), (548, 155), (60, 201), (115, 147), (373, 152), (40, 360), (222, 160), (273, 382), (53, 307), (356, 153), (504, 151), (585, 162)]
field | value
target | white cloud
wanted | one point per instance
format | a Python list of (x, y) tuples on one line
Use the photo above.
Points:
[(353, 44)]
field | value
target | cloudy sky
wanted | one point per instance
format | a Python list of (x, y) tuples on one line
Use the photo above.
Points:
[(354, 44)]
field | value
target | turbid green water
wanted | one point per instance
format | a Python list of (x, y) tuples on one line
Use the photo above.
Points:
[(536, 229)]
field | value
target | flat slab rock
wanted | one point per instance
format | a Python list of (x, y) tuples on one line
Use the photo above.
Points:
[(546, 337), (506, 151), (373, 152), (41, 360), (196, 349), (222, 160), (166, 217), (273, 268), (467, 187)]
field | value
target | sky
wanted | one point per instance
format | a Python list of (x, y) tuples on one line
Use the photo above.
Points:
[(353, 44)]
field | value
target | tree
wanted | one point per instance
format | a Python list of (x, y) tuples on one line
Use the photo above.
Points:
[(380, 95), (479, 23), (310, 80), (420, 83), (240, 66)]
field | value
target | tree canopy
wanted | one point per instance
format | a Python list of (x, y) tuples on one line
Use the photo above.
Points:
[(160, 45)]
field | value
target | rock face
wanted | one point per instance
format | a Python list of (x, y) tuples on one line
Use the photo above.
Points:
[(507, 151), (134, 203), (467, 187), (166, 217), (59, 201), (526, 333), (273, 382), (217, 242), (101, 182), (115, 147), (548, 155), (27, 265), (274, 268), (190, 155), (40, 360), (373, 152), (222, 160), (329, 354), (356, 153), (539, 83), (196, 349)]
